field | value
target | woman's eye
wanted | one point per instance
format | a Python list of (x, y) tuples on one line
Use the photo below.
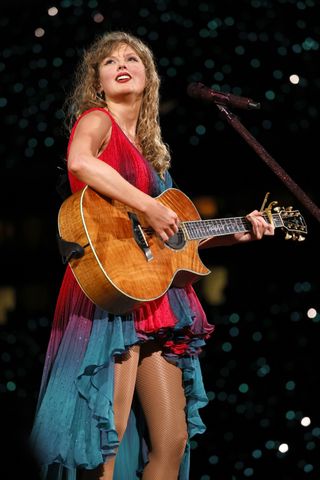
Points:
[(110, 61)]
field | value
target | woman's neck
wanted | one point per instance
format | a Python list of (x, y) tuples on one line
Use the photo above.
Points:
[(126, 117)]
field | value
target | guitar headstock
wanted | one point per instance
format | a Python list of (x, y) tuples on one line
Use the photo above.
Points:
[(293, 223)]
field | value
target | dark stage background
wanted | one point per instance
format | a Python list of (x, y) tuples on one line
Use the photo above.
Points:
[(261, 367)]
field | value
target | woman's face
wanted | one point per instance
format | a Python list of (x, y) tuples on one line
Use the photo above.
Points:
[(122, 73)]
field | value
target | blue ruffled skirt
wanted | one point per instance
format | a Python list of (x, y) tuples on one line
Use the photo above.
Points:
[(74, 424)]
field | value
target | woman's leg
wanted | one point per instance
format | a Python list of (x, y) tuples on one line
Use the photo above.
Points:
[(125, 373), (161, 394)]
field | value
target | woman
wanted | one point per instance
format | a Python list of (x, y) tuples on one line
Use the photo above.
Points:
[(120, 394)]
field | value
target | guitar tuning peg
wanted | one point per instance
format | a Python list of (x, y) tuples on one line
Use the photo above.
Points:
[(289, 209), (277, 209), (301, 238), (288, 236)]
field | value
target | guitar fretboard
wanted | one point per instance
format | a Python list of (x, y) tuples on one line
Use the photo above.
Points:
[(199, 229)]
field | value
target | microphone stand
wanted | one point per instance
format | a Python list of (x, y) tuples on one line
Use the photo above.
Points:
[(275, 167)]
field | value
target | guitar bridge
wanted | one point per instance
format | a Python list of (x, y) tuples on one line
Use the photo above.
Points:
[(139, 236)]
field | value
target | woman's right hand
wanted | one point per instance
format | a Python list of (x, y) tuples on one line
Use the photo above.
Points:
[(163, 220)]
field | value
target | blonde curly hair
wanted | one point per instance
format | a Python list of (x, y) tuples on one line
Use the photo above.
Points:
[(86, 86)]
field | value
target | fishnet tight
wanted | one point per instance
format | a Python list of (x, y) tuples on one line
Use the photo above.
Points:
[(161, 394)]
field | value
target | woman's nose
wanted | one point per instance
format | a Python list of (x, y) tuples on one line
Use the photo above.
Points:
[(121, 65)]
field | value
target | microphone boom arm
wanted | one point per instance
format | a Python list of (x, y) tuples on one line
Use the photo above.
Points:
[(271, 162)]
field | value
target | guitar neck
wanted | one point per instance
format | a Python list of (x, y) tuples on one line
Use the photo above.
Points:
[(201, 229)]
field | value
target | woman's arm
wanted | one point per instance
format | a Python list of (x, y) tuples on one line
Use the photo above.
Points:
[(259, 228), (91, 133)]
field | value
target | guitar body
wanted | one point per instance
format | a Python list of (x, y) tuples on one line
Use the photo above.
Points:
[(116, 272)]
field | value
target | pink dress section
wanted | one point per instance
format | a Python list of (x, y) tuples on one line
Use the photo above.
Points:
[(124, 157)]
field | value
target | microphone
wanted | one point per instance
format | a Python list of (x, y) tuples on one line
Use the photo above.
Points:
[(200, 91)]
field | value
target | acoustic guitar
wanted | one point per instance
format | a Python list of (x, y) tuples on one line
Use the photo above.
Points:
[(119, 262)]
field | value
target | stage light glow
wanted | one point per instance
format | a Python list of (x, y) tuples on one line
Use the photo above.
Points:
[(52, 11), (305, 421), (295, 79), (11, 386), (312, 313), (291, 385), (39, 32), (98, 17), (283, 447), (7, 299)]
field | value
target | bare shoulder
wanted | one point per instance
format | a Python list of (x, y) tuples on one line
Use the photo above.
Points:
[(95, 122), (92, 133)]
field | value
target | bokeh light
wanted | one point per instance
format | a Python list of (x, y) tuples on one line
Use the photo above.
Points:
[(260, 367)]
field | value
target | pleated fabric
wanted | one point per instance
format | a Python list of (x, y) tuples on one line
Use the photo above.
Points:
[(74, 422)]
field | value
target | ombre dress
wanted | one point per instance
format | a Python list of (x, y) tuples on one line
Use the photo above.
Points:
[(74, 423)]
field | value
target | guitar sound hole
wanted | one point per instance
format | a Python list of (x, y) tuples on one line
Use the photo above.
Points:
[(177, 241)]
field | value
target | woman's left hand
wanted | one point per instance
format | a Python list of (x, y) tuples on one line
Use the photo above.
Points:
[(259, 228)]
